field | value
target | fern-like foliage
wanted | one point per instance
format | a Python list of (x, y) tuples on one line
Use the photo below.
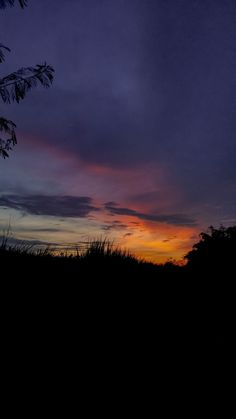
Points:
[(3, 48), (5, 3), (8, 137), (15, 86)]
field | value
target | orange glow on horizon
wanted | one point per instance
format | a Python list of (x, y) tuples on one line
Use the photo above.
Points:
[(161, 244), (153, 241)]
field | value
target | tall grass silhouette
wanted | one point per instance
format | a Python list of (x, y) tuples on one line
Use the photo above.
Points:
[(106, 250)]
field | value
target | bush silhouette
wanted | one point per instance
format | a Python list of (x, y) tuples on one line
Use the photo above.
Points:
[(216, 250)]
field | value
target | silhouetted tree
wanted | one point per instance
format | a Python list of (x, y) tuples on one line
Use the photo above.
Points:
[(215, 250), (15, 86)]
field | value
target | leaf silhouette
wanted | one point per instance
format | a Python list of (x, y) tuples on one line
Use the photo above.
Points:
[(7, 128), (14, 87), (2, 48), (5, 3)]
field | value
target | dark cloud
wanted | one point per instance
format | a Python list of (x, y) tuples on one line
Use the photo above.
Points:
[(35, 245), (114, 225), (113, 204), (128, 234), (150, 197), (177, 219), (116, 210), (41, 230), (44, 230), (138, 82), (169, 239), (58, 206), (25, 244), (146, 81)]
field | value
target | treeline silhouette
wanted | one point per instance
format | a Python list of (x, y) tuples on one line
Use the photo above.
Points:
[(168, 306)]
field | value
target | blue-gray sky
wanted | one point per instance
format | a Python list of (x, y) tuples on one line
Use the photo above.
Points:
[(136, 138)]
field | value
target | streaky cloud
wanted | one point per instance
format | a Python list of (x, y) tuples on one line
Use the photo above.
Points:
[(49, 205), (176, 219)]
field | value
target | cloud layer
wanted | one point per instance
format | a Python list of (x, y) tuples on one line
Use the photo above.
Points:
[(57, 206), (82, 207), (174, 219), (141, 113)]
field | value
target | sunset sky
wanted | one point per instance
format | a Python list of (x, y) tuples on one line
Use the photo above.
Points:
[(135, 141)]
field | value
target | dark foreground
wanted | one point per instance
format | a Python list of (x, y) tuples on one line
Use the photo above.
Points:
[(108, 316), (120, 305)]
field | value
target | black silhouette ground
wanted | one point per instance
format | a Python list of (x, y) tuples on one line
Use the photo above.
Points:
[(110, 301)]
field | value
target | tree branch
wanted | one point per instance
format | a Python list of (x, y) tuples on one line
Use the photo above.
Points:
[(11, 3), (15, 86)]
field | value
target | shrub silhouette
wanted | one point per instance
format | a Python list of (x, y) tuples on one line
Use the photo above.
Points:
[(216, 250)]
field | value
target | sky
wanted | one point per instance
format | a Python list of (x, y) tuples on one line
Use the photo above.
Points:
[(135, 140)]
